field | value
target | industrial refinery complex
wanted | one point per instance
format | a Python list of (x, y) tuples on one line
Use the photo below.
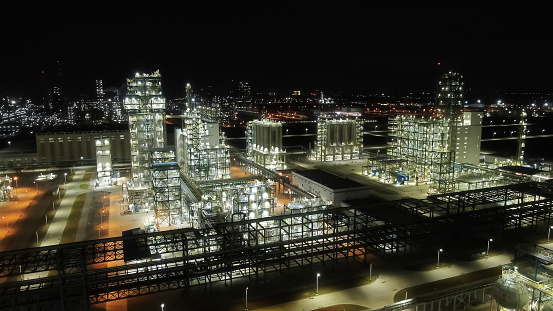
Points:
[(191, 207)]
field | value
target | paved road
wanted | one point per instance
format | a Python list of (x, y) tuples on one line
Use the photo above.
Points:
[(57, 225), (344, 289), (391, 280)]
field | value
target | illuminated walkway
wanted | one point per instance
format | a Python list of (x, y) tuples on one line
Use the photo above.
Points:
[(391, 281), (57, 225)]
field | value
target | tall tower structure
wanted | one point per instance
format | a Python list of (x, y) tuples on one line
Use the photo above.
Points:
[(189, 98), (59, 104), (103, 158), (522, 131), (427, 147), (101, 104), (450, 93), (145, 105), (244, 98)]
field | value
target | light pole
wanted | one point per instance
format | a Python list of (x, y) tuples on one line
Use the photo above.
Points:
[(371, 272), (405, 294), (246, 299), (439, 251), (318, 275), (162, 306), (16, 185), (101, 225), (549, 233), (488, 249), (36, 186), (65, 175)]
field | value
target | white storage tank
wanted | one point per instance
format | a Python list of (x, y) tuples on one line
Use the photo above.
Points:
[(509, 292)]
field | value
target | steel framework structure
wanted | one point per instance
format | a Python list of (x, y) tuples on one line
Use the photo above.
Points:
[(199, 159), (145, 104), (426, 146), (166, 186), (258, 247)]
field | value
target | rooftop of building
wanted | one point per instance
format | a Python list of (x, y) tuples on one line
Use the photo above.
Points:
[(83, 127), (329, 180)]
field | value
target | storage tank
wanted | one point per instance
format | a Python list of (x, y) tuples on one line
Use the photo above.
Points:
[(267, 134), (341, 132), (509, 291)]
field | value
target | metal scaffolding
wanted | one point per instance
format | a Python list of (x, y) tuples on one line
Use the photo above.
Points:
[(262, 248), (228, 201), (201, 152), (145, 105), (166, 187), (426, 146)]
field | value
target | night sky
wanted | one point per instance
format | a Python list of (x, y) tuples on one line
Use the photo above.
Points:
[(281, 47)]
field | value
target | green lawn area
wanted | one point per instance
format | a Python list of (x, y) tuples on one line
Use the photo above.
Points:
[(72, 225), (87, 175)]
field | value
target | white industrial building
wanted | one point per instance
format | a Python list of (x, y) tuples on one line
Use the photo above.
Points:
[(468, 138), (328, 187)]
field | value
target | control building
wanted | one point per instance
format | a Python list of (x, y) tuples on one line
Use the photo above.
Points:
[(329, 188), (77, 144)]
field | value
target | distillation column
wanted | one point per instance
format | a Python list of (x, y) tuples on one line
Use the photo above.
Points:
[(145, 105)]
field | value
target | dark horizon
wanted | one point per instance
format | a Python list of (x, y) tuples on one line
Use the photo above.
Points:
[(283, 47), (379, 74)]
